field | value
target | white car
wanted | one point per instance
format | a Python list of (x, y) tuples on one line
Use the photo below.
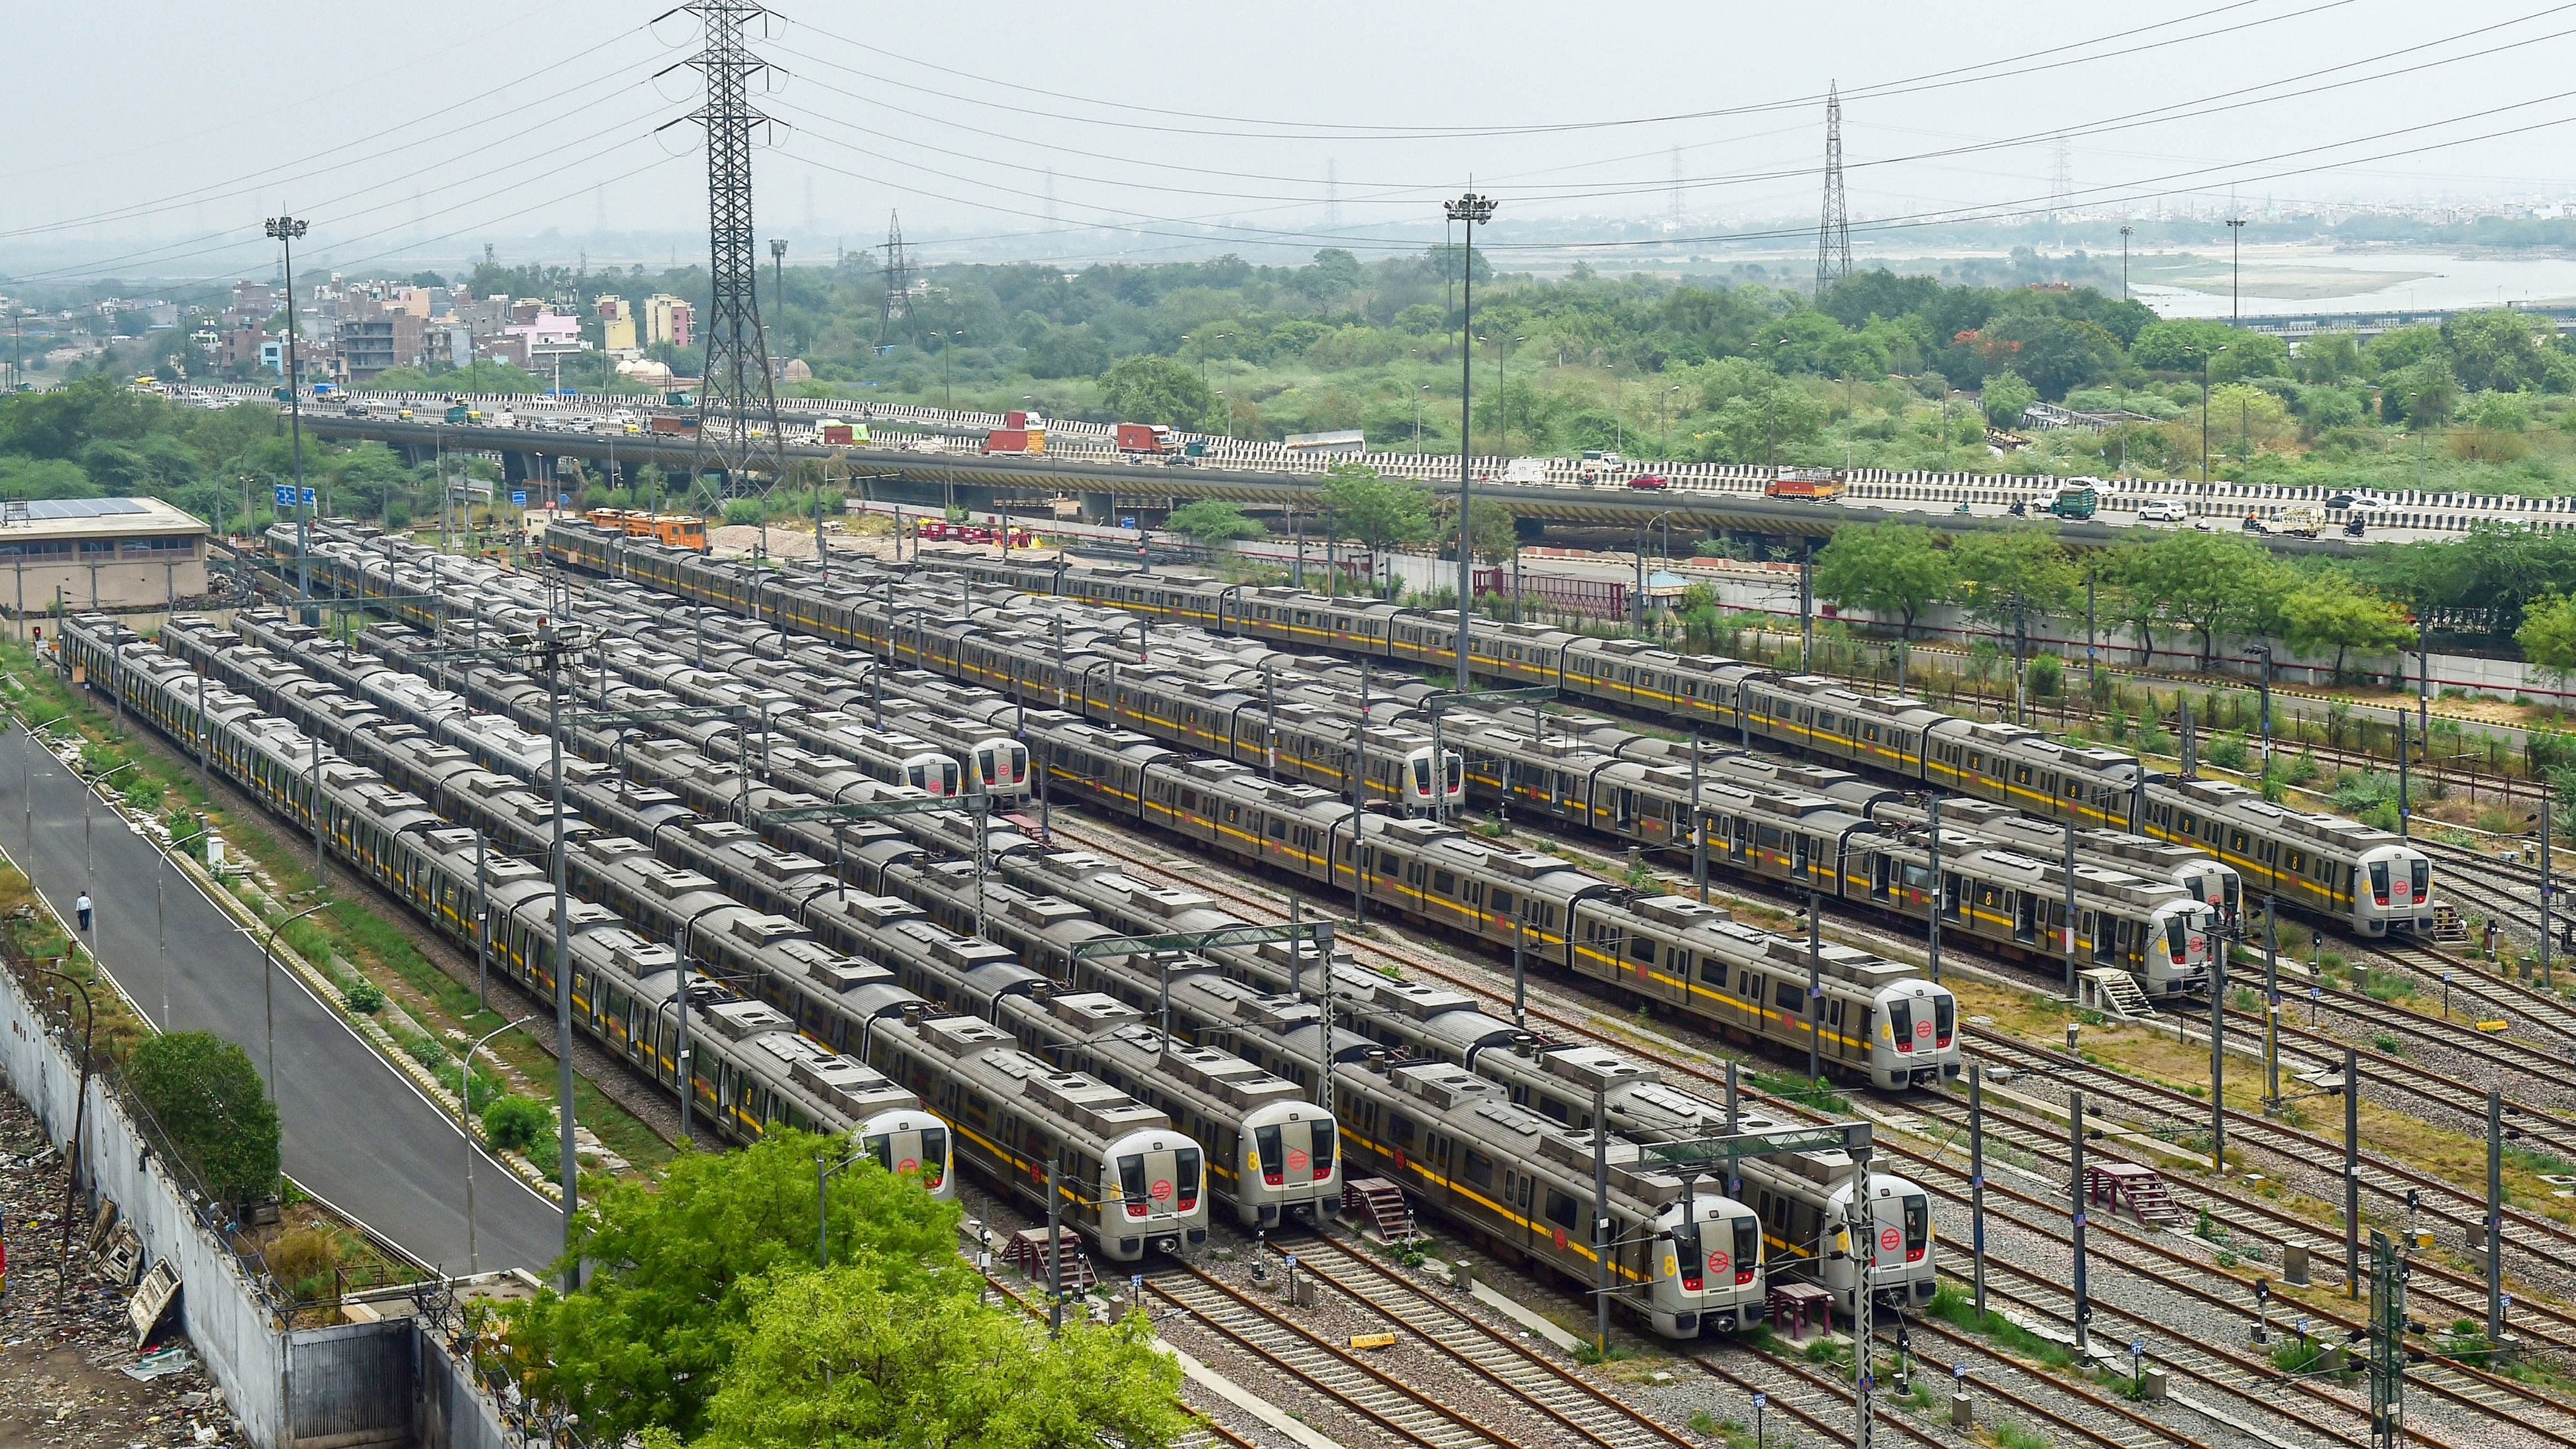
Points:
[(2164, 510)]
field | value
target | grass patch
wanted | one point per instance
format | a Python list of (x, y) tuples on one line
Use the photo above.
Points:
[(1956, 1309), (2012, 1434), (1817, 1093)]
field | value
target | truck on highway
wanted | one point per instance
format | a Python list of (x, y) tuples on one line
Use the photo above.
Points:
[(838, 434), (2303, 520), (1015, 440), (1808, 485), (456, 412), (2076, 498), (1151, 438), (675, 425), (1526, 472)]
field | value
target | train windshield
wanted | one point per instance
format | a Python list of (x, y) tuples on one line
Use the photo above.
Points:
[(1274, 1158), (2420, 871), (2232, 885), (1185, 1166), (1131, 1185), (1324, 1137), (1918, 1227), (1748, 1248), (1457, 772), (1686, 1254), (1945, 1018), (2379, 881), (2177, 936), (1421, 775), (934, 1156), (1900, 1021)]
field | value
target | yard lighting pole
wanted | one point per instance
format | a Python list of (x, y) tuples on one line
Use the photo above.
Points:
[(1471, 209), (465, 1121), (26, 776), (285, 229)]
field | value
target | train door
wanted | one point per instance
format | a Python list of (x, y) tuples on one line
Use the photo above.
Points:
[(2025, 916), (1879, 872), (1625, 805), (1738, 842)]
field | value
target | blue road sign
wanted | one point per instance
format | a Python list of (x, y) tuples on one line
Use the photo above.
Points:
[(285, 495), (519, 497)]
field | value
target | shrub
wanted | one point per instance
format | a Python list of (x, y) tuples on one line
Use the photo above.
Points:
[(514, 1123), (211, 1109), (2045, 676), (2227, 752), (366, 998)]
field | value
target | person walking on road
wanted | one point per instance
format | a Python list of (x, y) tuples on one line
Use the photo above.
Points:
[(81, 905)]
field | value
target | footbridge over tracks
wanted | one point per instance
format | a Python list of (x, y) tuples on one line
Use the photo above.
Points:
[(977, 480)]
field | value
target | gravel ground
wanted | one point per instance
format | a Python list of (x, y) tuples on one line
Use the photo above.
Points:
[(61, 1363)]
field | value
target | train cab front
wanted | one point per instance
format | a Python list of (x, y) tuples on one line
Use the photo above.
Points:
[(1155, 1197), (913, 1141), (2182, 936), (1914, 1040), (934, 775), (1001, 767), (2392, 892), (1290, 1170), (1420, 790), (1708, 1268)]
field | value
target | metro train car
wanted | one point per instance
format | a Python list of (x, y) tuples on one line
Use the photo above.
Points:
[(751, 1072)]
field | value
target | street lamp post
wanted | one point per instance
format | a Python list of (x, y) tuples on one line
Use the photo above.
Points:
[(2124, 261), (26, 777), (268, 988), (88, 865), (465, 1121), (1471, 209), (2235, 267)]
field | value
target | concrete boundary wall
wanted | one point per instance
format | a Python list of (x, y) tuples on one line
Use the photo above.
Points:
[(345, 1386)]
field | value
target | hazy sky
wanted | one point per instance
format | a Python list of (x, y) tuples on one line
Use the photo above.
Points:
[(155, 134)]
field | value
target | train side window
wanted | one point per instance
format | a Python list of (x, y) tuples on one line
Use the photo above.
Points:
[(1834, 1013), (1388, 864), (1560, 1209), (1501, 901), (1744, 987), (1399, 1130), (1444, 883), (1278, 828), (1976, 760), (2190, 823), (2298, 862), (1789, 996), (1189, 799), (1641, 949), (1480, 1168)]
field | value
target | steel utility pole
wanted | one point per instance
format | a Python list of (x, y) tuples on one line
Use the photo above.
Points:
[(1470, 209), (2235, 267), (285, 229)]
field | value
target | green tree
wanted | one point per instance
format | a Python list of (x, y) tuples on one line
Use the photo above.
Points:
[(514, 1123), (2009, 576), (2422, 395), (2499, 350), (2327, 610), (2329, 357), (840, 1360), (2548, 634), (1378, 513), (1886, 568), (1157, 390), (675, 1267), (2006, 398), (2214, 584), (1208, 522), (207, 1101), (1493, 532)]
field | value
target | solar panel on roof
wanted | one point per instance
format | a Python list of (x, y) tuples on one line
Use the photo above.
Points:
[(83, 507)]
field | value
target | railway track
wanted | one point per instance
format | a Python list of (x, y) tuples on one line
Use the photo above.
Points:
[(1938, 1175), (1580, 1409), (1396, 1408)]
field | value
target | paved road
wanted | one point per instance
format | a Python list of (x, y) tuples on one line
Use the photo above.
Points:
[(357, 1133)]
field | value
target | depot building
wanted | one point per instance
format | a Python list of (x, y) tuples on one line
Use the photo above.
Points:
[(100, 553)]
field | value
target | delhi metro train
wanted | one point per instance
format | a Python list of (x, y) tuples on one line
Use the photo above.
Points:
[(2370, 881)]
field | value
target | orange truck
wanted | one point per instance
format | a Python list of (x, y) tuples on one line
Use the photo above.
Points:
[(1014, 440), (1812, 485)]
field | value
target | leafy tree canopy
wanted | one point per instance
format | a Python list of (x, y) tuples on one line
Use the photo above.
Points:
[(1889, 569), (211, 1109), (676, 1266)]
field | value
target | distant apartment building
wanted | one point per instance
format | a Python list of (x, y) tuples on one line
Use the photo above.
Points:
[(668, 319), (616, 323), (370, 345), (252, 302)]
